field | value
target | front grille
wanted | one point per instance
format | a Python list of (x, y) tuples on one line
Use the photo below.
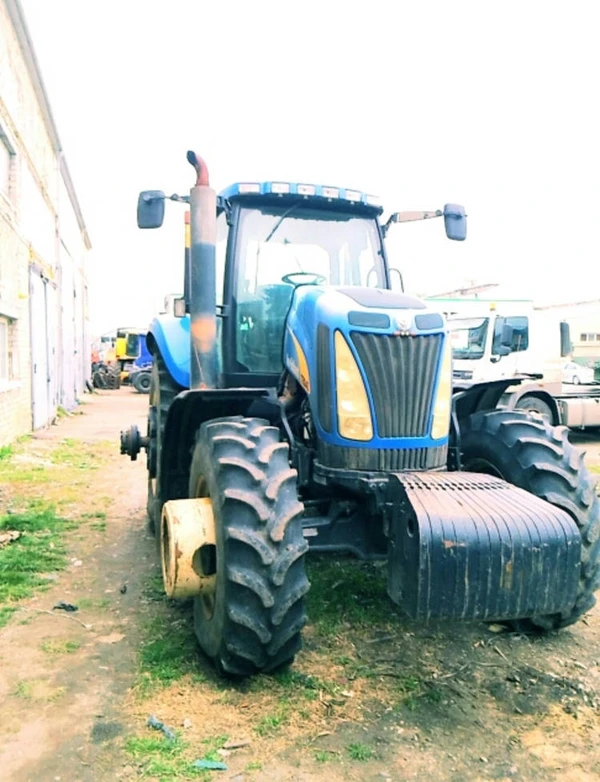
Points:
[(401, 373)]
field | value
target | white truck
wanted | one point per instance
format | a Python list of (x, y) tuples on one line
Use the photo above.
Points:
[(497, 339)]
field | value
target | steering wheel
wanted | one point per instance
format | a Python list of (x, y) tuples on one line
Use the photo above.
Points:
[(317, 279)]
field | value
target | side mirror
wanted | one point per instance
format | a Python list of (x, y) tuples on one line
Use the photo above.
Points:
[(566, 346), (150, 209), (455, 221)]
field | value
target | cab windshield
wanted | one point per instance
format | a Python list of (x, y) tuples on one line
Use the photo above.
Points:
[(468, 337), (284, 246)]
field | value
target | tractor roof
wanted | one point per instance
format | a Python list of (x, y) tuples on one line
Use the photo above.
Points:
[(321, 195)]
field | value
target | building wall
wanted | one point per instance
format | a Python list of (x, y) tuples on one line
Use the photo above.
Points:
[(43, 249)]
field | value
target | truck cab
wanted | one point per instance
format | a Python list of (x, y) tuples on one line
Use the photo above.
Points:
[(494, 339)]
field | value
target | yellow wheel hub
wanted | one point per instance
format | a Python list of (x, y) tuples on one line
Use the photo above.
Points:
[(187, 534)]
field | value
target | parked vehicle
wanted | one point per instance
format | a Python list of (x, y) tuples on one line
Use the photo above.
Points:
[(500, 339), (577, 374), (297, 401)]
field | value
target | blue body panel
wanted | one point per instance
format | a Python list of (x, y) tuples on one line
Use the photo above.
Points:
[(172, 336), (312, 305)]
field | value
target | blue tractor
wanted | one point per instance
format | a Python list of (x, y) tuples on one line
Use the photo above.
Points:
[(298, 402)]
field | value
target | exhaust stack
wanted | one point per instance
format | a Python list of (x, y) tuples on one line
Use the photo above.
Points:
[(202, 279)]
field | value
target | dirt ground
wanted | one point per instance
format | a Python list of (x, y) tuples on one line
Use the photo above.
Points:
[(371, 696)]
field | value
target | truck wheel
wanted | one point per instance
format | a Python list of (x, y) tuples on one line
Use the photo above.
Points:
[(252, 620), (539, 458), (142, 382), (533, 404), (163, 390)]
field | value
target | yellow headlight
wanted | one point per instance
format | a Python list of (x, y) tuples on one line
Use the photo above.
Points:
[(443, 398), (354, 415)]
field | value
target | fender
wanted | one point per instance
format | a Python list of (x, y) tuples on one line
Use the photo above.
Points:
[(192, 408), (171, 336), (467, 400)]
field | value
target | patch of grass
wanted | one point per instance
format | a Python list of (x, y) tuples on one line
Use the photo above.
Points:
[(5, 614), (360, 752), (161, 759), (27, 472), (39, 550), (346, 592), (254, 765), (168, 652), (24, 689), (271, 724), (61, 412), (6, 451), (57, 646), (326, 755), (170, 761), (98, 526)]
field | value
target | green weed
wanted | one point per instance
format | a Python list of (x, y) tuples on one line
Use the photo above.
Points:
[(360, 752), (271, 724)]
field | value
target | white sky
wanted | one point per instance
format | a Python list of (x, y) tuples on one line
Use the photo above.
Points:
[(490, 105)]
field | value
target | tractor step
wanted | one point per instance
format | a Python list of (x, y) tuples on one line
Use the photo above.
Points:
[(473, 547)]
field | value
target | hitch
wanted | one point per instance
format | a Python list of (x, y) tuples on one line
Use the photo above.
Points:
[(132, 442)]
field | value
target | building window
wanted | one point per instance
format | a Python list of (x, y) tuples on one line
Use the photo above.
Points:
[(4, 354), (589, 336), (7, 155)]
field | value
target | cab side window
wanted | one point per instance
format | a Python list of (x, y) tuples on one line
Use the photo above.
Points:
[(520, 327)]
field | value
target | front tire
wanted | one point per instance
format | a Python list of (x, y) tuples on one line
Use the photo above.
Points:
[(537, 457), (252, 621)]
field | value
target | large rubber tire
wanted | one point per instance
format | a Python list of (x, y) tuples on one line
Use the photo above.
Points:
[(533, 404), (529, 453), (253, 621), (163, 390)]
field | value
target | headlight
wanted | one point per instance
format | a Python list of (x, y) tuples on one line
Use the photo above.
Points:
[(443, 397), (354, 415)]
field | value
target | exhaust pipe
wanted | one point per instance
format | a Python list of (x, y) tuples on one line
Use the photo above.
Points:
[(202, 279)]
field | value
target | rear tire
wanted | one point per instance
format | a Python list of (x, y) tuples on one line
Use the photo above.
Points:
[(163, 390), (253, 620), (537, 457)]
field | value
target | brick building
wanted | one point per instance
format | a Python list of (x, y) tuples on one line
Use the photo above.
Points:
[(44, 342)]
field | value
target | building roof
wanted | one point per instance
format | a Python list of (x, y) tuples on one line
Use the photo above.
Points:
[(17, 17)]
